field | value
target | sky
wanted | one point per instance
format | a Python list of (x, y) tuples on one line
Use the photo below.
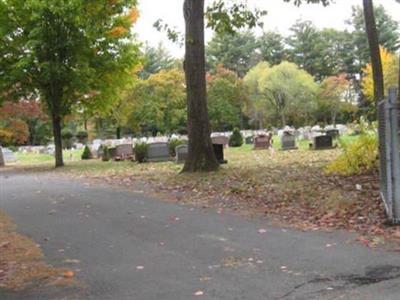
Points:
[(281, 16)]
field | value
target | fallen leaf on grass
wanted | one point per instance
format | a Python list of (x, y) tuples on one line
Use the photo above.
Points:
[(68, 274)]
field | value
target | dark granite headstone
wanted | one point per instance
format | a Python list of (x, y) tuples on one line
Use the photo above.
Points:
[(249, 140), (288, 141), (323, 142), (219, 153), (334, 133)]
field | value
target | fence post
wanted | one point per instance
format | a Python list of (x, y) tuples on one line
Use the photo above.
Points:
[(394, 136)]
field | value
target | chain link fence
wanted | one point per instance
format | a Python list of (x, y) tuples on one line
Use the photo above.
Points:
[(389, 155)]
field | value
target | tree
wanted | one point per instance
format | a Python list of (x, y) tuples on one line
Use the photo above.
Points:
[(373, 41), (72, 52), (334, 97), (257, 108), (29, 112), (226, 99), (272, 48), (390, 67), (236, 52), (386, 26), (307, 48), (284, 91), (290, 91), (223, 19), (158, 103), (155, 60)]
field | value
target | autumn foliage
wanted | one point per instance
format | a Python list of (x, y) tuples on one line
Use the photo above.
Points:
[(390, 68), (18, 119)]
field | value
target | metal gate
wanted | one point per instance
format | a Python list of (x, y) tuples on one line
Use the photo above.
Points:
[(389, 155)]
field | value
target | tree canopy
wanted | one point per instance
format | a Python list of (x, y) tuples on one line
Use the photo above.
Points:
[(66, 52)]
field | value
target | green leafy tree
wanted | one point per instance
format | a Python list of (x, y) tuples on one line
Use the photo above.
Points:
[(334, 97), (236, 52), (155, 60), (226, 99), (272, 47), (389, 36), (307, 48), (67, 52), (257, 110), (158, 103), (288, 90)]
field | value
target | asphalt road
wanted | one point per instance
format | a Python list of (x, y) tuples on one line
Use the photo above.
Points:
[(131, 246)]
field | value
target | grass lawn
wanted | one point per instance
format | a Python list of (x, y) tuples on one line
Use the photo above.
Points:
[(35, 158)]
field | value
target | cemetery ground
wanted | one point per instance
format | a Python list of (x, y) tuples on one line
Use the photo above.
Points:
[(107, 234)]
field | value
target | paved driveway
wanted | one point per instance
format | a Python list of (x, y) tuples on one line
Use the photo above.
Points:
[(131, 246)]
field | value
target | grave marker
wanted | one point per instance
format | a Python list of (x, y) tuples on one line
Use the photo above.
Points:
[(322, 142), (158, 152), (288, 141), (124, 151), (263, 141), (182, 152)]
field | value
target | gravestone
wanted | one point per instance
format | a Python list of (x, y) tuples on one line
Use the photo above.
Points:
[(182, 152), (219, 153), (2, 162), (158, 152), (100, 151), (249, 140), (8, 156), (263, 141), (322, 142), (288, 141), (112, 152), (334, 133), (220, 140), (123, 151)]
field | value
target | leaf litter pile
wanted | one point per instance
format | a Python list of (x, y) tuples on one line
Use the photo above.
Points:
[(21, 261), (291, 188)]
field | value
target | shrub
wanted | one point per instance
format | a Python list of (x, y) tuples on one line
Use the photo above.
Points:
[(87, 154), (82, 136), (236, 139), (105, 156), (173, 143), (358, 157), (141, 152), (67, 138)]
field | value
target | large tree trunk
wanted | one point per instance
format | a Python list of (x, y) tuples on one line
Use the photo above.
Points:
[(118, 133), (57, 139), (373, 40), (201, 155)]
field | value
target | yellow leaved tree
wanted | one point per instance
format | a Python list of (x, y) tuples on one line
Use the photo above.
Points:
[(390, 65)]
